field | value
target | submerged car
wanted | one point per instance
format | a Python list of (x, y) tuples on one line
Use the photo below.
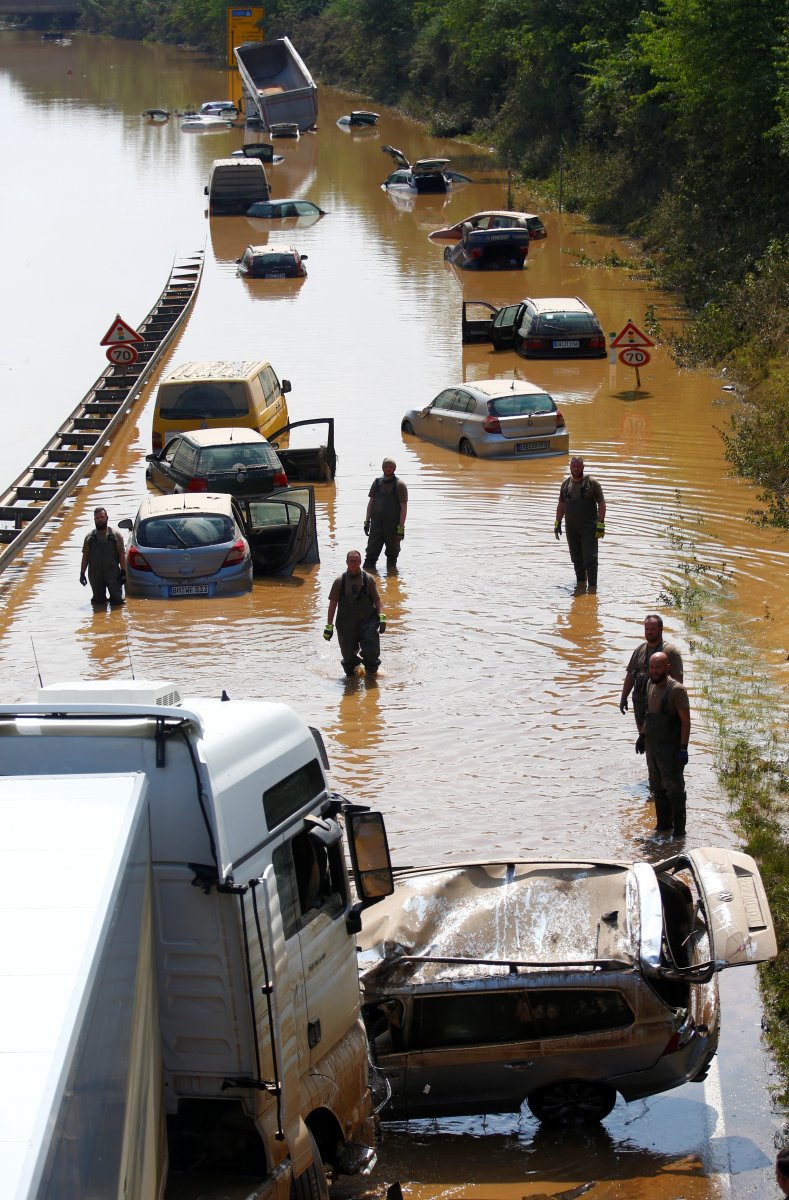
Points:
[(424, 177), (238, 461), (272, 262), (561, 985), (190, 545), (278, 210), (496, 218), (490, 248), (537, 327), (208, 544), (494, 418)]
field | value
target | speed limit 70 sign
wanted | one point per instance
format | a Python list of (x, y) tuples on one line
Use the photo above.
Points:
[(122, 356), (634, 356)]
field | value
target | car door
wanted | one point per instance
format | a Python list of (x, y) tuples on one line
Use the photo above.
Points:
[(160, 466), (478, 317), (436, 422), (307, 463), (281, 530), (505, 323)]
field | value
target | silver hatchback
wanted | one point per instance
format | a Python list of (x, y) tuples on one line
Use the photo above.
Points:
[(188, 545), (495, 418)]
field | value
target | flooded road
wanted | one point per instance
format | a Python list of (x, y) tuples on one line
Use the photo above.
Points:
[(493, 728)]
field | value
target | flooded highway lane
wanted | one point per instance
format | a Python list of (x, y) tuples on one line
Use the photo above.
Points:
[(493, 728)]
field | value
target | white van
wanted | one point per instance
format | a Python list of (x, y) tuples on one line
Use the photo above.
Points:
[(234, 184)]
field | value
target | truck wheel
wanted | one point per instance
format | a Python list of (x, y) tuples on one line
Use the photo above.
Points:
[(572, 1102), (312, 1183)]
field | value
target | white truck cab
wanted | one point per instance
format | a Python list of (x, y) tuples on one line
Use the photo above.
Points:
[(251, 919)]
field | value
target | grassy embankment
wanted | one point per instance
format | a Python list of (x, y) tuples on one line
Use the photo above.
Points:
[(746, 711)]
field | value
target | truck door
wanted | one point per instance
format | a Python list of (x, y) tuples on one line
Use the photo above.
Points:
[(312, 870)]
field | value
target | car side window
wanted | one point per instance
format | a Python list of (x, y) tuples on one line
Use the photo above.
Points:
[(443, 400), (310, 879), (463, 402), (170, 450), (470, 1019), (572, 1011), (184, 458)]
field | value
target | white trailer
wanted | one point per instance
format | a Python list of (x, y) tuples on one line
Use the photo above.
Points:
[(279, 89), (249, 990)]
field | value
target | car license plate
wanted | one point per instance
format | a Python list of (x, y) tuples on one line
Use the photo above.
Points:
[(531, 447), (277, 275), (189, 589), (572, 345)]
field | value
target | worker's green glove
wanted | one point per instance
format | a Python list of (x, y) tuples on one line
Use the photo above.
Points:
[(381, 623), (401, 531), (600, 529), (367, 527), (328, 632), (557, 529)]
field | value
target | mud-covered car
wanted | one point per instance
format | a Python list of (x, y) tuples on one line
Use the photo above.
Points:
[(491, 248), (561, 985)]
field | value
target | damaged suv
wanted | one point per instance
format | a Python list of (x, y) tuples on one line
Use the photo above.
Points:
[(559, 985)]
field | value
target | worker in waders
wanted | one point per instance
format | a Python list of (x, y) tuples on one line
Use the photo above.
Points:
[(355, 600), (384, 521), (582, 507), (664, 735), (104, 559), (637, 673)]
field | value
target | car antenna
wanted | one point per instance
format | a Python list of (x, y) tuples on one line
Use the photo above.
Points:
[(35, 659), (131, 660)]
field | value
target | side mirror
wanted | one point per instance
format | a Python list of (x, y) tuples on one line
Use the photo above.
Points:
[(126, 523), (370, 858), (205, 190), (304, 257), (285, 386), (151, 457)]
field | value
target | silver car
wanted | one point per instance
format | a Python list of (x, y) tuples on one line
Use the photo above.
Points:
[(561, 984), (495, 418), (188, 545)]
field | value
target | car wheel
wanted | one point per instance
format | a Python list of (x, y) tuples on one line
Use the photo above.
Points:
[(407, 427), (572, 1102), (467, 449)]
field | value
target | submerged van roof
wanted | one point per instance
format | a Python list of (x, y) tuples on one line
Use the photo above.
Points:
[(216, 369)]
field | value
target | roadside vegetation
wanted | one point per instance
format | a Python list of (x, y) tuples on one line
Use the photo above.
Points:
[(747, 715), (670, 119)]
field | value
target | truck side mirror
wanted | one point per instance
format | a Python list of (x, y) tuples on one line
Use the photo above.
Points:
[(370, 859)]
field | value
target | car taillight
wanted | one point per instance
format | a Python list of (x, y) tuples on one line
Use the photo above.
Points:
[(157, 442), (559, 419), (534, 343), (196, 484), (136, 561), (237, 554), (280, 479), (597, 342), (685, 1034), (476, 253), (491, 425)]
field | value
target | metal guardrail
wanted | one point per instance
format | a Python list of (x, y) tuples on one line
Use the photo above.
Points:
[(39, 491)]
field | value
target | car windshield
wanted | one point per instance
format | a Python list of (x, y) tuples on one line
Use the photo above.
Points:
[(521, 406), (263, 261), (228, 458), (185, 531), (567, 322), (199, 401)]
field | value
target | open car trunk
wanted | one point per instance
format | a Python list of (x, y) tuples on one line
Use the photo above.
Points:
[(307, 464), (281, 530)]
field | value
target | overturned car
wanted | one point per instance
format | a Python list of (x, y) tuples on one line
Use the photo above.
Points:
[(559, 985)]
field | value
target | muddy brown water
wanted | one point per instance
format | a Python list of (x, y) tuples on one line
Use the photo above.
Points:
[(493, 728)]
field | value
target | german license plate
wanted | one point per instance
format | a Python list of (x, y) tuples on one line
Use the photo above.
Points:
[(189, 589), (531, 447), (567, 345), (282, 275)]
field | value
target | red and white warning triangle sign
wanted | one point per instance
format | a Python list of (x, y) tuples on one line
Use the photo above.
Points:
[(119, 331), (631, 335)]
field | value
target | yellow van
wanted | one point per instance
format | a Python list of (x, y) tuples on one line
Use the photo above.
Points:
[(207, 395)]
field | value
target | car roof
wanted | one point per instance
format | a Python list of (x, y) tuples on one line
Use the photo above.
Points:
[(491, 389), (558, 303), (217, 371), (259, 251), (181, 504), (536, 913), (500, 212), (223, 437)]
